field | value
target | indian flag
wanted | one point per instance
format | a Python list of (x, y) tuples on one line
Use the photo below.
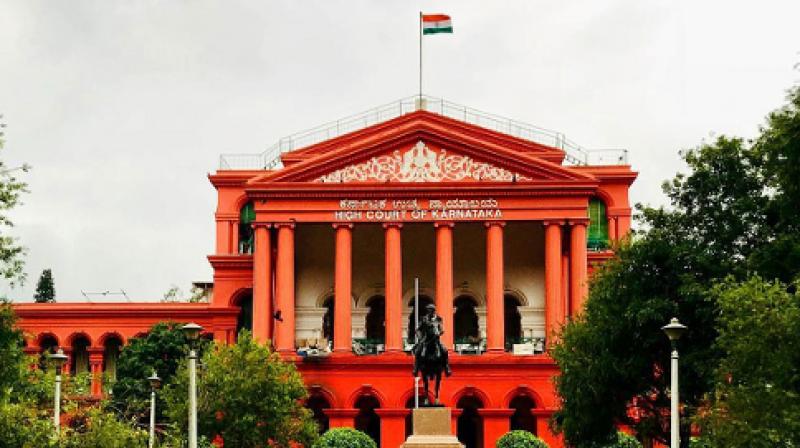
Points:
[(436, 23)]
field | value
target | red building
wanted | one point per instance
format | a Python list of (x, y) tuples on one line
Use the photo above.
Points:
[(320, 238)]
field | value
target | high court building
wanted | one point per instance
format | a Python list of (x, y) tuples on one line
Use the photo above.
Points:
[(319, 241)]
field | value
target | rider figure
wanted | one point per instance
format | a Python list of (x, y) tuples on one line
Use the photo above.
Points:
[(427, 335)]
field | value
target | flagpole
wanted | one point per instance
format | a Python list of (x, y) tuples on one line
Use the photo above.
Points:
[(420, 59)]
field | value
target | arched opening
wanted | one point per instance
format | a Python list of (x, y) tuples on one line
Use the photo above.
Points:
[(317, 403), (367, 420), (523, 418), (470, 424), (111, 348), (375, 324), (424, 301), (48, 344), (465, 321), (328, 320), (513, 321), (246, 217), (80, 355), (597, 234), (244, 320)]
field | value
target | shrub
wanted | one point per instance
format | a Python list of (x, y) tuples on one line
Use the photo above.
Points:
[(625, 441), (344, 438), (520, 439)]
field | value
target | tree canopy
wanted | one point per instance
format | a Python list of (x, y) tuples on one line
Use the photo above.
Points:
[(733, 215), (247, 395), (45, 288), (11, 188)]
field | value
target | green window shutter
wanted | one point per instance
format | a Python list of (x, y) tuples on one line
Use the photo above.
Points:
[(248, 214), (598, 225)]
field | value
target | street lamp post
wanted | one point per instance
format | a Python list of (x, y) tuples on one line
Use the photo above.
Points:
[(58, 359), (155, 383), (192, 331), (674, 331)]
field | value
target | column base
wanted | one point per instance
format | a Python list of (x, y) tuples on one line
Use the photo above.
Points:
[(432, 429)]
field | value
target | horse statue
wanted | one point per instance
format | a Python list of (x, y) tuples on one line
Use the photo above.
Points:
[(430, 356)]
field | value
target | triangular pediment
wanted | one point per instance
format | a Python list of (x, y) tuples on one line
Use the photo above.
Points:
[(422, 148), (421, 163)]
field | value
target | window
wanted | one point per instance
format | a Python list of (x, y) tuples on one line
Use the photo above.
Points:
[(598, 225), (246, 217)]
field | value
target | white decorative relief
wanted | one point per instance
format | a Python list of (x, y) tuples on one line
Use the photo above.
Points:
[(421, 164)]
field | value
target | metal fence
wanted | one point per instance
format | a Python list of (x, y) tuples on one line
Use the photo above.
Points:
[(271, 157)]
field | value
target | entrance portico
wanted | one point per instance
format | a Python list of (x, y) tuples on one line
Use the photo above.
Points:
[(498, 230)]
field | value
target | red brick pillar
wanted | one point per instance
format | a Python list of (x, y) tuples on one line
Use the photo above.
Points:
[(444, 279), (341, 418), (495, 327), (284, 289), (496, 422), (579, 285), (554, 304), (96, 369), (394, 288), (262, 284), (343, 287), (393, 424)]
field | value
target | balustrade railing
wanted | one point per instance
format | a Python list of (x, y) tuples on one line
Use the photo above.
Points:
[(574, 153)]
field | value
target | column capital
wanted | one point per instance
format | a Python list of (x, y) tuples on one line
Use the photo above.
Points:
[(494, 223), (579, 222), (450, 224), (339, 412), (256, 225), (553, 222), (345, 225), (382, 412), (286, 224), (388, 225)]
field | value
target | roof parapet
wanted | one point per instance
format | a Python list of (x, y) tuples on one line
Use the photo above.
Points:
[(574, 153)]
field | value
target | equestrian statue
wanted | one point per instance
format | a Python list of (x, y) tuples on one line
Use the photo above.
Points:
[(430, 355)]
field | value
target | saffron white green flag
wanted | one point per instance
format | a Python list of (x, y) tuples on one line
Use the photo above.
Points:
[(436, 23)]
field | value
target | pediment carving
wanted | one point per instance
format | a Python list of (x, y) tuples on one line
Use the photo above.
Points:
[(421, 164)]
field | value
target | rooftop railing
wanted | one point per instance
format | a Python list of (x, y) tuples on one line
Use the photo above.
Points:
[(271, 157)]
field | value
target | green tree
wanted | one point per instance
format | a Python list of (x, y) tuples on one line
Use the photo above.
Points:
[(45, 288), (756, 402), (344, 438), (247, 395), (733, 214), (11, 188), (162, 350), (10, 350)]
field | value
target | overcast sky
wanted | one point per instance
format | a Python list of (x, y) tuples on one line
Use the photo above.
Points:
[(123, 107)]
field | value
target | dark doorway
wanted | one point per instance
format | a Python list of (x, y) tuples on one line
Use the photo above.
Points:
[(244, 321), (523, 418), (80, 355), (465, 320), (328, 320), (412, 328), (513, 322), (111, 349), (375, 318), (317, 404), (470, 423), (49, 345), (367, 420)]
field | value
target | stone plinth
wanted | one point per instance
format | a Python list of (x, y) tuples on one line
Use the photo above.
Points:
[(432, 429)]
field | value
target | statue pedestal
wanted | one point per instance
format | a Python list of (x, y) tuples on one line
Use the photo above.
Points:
[(432, 429)]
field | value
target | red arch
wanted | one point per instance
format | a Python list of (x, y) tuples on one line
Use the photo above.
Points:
[(471, 391), (366, 390), (43, 335), (316, 389), (238, 294), (109, 335), (523, 391), (71, 338), (608, 200)]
